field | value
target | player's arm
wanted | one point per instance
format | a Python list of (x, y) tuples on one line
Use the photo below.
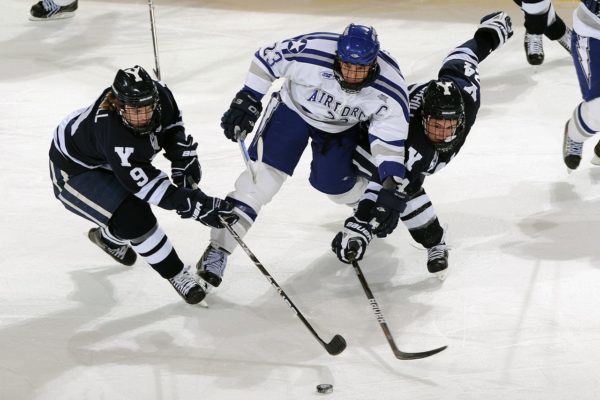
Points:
[(179, 147), (268, 65)]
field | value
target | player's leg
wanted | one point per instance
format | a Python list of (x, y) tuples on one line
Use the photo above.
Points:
[(423, 225), (585, 120), (536, 18), (556, 29), (122, 218), (282, 136)]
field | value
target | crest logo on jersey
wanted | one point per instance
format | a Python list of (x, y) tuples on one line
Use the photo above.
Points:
[(296, 46), (382, 97), (124, 153), (327, 75), (134, 73)]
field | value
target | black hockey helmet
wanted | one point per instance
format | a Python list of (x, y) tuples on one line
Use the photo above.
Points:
[(357, 45), (138, 97), (442, 100)]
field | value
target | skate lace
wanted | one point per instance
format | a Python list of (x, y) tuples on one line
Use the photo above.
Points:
[(50, 5), (435, 252), (119, 252), (214, 262), (534, 44), (574, 147), (183, 282), (565, 40)]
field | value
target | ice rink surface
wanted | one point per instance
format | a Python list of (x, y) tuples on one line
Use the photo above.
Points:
[(519, 310)]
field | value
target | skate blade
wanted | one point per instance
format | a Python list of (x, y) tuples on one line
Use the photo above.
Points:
[(595, 160), (203, 304), (442, 275)]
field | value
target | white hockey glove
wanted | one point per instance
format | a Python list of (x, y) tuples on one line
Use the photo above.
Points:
[(352, 242), (497, 26)]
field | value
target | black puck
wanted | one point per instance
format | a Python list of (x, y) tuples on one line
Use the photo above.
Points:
[(324, 388)]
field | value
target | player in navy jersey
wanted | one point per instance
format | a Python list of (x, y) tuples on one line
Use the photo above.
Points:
[(101, 169), (331, 83), (585, 121), (442, 112), (542, 19)]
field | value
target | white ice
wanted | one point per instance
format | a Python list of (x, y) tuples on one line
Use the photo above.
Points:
[(518, 310)]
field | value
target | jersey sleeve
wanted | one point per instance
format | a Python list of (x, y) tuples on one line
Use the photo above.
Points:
[(462, 67), (173, 136), (388, 128)]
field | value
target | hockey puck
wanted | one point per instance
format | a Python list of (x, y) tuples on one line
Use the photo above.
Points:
[(324, 388)]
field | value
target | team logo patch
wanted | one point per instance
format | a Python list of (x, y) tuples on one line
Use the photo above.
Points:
[(296, 46), (327, 75)]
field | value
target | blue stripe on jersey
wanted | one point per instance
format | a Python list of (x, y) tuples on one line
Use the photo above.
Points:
[(263, 62), (390, 61), (394, 85), (400, 99), (397, 143), (315, 52), (316, 35), (314, 61)]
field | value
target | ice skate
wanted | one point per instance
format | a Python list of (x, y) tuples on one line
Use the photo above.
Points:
[(565, 40), (572, 150), (211, 267), (187, 287), (437, 260), (46, 10), (534, 49), (123, 254)]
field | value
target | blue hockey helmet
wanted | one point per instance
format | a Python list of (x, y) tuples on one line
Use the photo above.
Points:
[(358, 45), (355, 64)]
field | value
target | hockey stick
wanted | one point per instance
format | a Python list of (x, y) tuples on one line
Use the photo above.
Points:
[(245, 154), (154, 39), (386, 331), (336, 345)]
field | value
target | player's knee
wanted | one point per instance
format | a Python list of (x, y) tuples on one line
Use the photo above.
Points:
[(133, 219), (352, 196), (256, 194), (590, 113)]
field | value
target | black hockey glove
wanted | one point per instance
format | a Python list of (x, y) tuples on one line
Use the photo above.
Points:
[(207, 210), (352, 242), (497, 27), (185, 168), (386, 213), (243, 113)]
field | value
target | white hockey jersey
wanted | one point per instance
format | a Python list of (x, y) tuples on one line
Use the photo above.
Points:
[(310, 89), (586, 19)]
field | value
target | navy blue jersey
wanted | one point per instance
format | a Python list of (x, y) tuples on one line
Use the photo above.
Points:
[(95, 137), (421, 157)]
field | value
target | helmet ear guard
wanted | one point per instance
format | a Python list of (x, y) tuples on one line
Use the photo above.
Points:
[(358, 45), (443, 100), (134, 88)]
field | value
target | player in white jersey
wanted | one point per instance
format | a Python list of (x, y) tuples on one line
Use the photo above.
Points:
[(585, 121), (542, 19), (331, 83)]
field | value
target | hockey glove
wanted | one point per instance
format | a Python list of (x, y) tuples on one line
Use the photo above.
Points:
[(185, 167), (207, 210), (497, 27), (386, 213), (351, 243), (243, 113)]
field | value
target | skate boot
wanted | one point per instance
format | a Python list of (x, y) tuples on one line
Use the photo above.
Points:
[(534, 49), (437, 260), (47, 9), (571, 150), (211, 267), (122, 253), (187, 287), (565, 40), (596, 159)]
